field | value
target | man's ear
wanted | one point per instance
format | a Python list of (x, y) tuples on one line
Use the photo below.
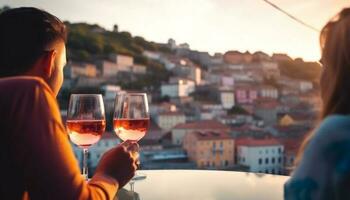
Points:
[(48, 62)]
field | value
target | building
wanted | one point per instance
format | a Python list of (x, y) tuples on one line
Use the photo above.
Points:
[(217, 59), (75, 70), (260, 56), (178, 88), (138, 69), (180, 130), (305, 86), (109, 94), (260, 155), (209, 149), (122, 60), (268, 91), (171, 43), (185, 68), (286, 120), (270, 70), (267, 110), (153, 138), (236, 57), (155, 109), (89, 82), (245, 94), (109, 140), (108, 69), (227, 98), (151, 55), (279, 57), (291, 149), (168, 120)]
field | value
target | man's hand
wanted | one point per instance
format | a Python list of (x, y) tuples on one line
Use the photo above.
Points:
[(119, 163)]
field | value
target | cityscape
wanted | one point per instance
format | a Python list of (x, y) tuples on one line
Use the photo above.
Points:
[(236, 111)]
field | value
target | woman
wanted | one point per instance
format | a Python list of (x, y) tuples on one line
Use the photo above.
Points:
[(323, 171)]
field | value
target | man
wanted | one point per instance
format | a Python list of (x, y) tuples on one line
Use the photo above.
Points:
[(36, 158)]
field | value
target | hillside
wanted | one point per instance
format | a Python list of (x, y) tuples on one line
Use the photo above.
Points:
[(298, 69), (87, 42)]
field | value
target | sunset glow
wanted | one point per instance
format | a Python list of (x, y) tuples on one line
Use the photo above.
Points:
[(206, 25)]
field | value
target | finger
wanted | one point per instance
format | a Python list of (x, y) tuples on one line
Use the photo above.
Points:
[(135, 166), (133, 147), (126, 143), (138, 164)]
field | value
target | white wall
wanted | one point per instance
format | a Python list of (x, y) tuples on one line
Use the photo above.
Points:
[(166, 122), (250, 155), (227, 99), (177, 136)]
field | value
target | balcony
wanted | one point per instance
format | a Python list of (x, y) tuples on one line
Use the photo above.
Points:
[(204, 185)]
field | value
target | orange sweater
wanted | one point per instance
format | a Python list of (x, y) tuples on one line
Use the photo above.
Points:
[(36, 158)]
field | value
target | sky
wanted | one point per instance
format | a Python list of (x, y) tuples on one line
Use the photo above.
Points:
[(206, 25)]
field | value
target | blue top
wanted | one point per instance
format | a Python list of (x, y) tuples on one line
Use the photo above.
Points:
[(324, 171)]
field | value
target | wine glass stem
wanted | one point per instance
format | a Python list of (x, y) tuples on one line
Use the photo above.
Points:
[(85, 167)]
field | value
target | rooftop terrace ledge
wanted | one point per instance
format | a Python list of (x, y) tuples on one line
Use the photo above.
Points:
[(204, 185)]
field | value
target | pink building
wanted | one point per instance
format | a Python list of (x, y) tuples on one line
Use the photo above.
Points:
[(245, 94)]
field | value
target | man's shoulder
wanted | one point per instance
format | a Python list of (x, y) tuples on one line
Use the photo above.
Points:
[(18, 83)]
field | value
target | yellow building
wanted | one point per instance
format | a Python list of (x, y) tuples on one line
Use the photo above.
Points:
[(286, 120), (210, 150)]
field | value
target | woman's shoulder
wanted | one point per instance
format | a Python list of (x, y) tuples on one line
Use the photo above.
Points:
[(333, 127), (326, 161)]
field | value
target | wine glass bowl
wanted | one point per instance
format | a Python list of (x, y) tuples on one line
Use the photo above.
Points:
[(85, 122), (131, 116), (131, 119)]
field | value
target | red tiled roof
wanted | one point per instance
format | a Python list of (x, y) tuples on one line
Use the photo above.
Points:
[(246, 127), (266, 103), (203, 124), (291, 145), (211, 135), (257, 142)]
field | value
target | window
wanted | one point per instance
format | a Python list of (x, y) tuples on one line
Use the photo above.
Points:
[(279, 160), (266, 161), (279, 150), (273, 160), (260, 161)]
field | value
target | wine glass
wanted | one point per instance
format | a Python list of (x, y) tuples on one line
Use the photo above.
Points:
[(85, 122), (131, 119)]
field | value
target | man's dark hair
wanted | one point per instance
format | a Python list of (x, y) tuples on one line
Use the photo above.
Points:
[(25, 34)]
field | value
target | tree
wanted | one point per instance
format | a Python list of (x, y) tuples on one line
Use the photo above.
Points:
[(237, 110), (298, 69)]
